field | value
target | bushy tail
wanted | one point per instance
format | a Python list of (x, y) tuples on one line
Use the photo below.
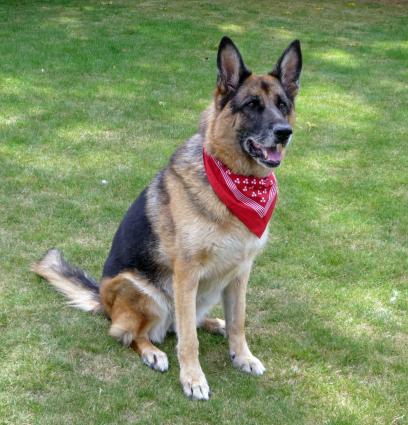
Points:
[(81, 290)]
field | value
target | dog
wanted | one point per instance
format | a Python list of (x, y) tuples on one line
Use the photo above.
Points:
[(190, 238)]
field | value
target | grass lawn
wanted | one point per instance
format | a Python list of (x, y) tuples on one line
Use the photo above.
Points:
[(106, 90)]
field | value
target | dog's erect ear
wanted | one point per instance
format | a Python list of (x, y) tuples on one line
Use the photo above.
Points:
[(288, 69), (231, 68)]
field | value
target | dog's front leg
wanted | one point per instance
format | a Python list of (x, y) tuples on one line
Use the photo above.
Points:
[(234, 310), (192, 378)]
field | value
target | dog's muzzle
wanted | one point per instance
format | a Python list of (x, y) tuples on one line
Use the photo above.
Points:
[(267, 151)]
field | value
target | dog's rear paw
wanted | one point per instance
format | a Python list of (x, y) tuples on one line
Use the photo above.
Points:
[(156, 360), (248, 364), (195, 386), (214, 326)]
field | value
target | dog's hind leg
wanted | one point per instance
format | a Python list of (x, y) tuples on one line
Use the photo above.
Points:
[(132, 329), (133, 314)]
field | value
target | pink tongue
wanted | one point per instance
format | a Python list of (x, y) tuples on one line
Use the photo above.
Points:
[(274, 155)]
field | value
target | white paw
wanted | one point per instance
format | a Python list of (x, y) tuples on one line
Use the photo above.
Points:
[(156, 360), (248, 364), (195, 385), (221, 327)]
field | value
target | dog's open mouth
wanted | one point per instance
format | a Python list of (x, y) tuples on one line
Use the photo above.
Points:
[(271, 157)]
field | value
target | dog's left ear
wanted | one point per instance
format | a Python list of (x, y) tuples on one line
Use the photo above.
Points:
[(288, 69)]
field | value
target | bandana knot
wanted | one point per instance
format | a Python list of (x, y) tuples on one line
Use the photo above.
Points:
[(251, 199)]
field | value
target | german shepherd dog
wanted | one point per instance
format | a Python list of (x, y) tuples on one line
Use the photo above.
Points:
[(179, 250)]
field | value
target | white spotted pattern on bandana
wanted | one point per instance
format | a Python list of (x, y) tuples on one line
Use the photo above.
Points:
[(260, 200)]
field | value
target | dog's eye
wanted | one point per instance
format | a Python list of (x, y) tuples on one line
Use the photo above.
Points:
[(253, 104), (282, 106)]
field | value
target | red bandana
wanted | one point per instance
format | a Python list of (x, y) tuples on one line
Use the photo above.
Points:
[(251, 199)]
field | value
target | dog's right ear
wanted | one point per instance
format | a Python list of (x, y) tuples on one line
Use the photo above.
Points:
[(231, 68)]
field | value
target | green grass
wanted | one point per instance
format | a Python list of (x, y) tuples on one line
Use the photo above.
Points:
[(105, 90)]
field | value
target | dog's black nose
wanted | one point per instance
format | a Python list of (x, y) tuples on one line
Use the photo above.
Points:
[(282, 132)]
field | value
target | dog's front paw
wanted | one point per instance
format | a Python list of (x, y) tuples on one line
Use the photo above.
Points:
[(195, 385), (249, 364)]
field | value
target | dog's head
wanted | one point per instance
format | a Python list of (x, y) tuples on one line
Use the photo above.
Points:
[(252, 116)]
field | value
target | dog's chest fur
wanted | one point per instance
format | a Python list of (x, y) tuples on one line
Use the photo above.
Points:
[(223, 253)]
